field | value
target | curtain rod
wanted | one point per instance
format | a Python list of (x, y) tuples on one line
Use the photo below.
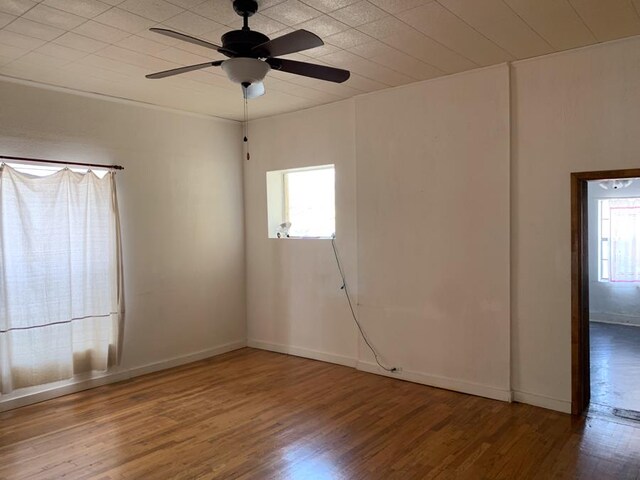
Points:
[(60, 162)]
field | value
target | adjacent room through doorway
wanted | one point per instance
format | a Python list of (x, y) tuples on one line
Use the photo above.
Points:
[(614, 292)]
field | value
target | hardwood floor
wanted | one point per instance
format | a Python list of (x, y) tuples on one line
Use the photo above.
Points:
[(252, 414), (615, 365)]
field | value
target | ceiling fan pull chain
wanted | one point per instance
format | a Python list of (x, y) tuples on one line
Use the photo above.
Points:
[(246, 123)]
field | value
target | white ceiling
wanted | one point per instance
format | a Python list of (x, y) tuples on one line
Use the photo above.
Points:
[(104, 46)]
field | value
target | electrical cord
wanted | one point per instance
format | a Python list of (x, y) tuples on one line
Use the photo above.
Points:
[(353, 313)]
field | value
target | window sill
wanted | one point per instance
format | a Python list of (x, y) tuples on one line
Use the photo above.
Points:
[(301, 238)]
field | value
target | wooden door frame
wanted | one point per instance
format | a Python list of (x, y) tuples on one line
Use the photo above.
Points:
[(580, 372)]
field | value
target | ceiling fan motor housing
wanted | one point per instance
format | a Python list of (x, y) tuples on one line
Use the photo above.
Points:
[(242, 41), (245, 7)]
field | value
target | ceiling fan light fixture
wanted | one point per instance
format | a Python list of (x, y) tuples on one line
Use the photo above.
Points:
[(245, 70), (252, 91), (615, 184)]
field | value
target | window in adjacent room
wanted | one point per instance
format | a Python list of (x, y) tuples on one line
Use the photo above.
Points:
[(301, 202), (619, 239)]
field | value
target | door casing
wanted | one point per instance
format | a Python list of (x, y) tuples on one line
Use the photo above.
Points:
[(580, 358)]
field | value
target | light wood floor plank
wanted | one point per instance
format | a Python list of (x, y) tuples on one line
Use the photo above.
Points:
[(252, 414)]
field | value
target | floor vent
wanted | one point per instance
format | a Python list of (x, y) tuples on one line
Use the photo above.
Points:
[(628, 414)]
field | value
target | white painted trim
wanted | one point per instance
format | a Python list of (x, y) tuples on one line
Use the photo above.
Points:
[(615, 319), (270, 117), (304, 352), (111, 98), (446, 383), (550, 403), (515, 63), (441, 78), (189, 358), (66, 387), (576, 49), (416, 377)]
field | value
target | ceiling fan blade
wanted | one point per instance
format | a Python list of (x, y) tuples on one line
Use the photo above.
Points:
[(254, 90), (312, 70), (185, 38), (290, 43), (177, 71)]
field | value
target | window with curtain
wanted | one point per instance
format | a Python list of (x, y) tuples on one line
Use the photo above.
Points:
[(61, 308), (619, 249)]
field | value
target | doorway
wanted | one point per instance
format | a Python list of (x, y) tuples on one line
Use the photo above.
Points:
[(605, 303)]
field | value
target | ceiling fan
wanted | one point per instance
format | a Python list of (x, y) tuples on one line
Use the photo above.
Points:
[(252, 54)]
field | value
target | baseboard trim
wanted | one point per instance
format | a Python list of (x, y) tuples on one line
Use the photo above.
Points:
[(613, 322), (78, 384), (303, 352), (446, 383), (184, 359), (416, 377), (550, 403)]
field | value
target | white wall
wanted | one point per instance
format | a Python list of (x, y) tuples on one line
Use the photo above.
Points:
[(433, 181), (433, 229), (611, 302), (433, 261), (294, 301), (181, 209), (573, 111), (416, 201)]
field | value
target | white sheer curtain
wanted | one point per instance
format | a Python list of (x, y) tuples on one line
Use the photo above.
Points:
[(61, 306)]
